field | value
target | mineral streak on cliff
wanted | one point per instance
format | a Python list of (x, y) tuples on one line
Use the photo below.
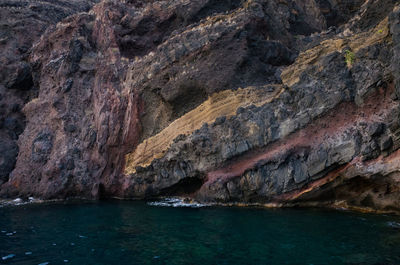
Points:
[(281, 101), (222, 104)]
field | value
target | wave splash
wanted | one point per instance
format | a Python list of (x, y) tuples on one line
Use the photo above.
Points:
[(177, 202), (394, 225), (19, 201)]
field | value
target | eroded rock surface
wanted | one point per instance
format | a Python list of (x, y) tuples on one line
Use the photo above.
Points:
[(285, 102), (21, 24)]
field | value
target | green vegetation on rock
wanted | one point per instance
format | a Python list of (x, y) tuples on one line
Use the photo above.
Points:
[(349, 57)]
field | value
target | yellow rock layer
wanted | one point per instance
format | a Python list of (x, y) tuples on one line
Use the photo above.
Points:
[(291, 74), (220, 104), (226, 103)]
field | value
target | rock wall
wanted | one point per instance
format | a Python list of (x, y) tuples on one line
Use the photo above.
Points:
[(21, 24), (283, 102)]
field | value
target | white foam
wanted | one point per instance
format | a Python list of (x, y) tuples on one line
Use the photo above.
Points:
[(28, 253), (8, 257), (19, 201), (394, 224), (177, 202)]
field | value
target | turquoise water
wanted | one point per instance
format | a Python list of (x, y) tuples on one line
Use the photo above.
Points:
[(135, 233)]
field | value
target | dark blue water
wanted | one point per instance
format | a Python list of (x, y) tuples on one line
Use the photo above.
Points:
[(136, 233)]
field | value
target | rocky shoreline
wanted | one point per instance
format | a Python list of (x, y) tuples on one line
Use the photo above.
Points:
[(188, 202)]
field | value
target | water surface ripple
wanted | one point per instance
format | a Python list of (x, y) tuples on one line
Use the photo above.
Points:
[(121, 232)]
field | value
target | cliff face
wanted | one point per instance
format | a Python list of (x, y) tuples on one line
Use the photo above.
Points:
[(286, 102), (21, 24)]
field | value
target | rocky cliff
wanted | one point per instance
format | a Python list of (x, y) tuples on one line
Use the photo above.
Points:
[(278, 102)]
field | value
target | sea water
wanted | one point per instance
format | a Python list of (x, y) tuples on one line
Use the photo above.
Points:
[(132, 232)]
